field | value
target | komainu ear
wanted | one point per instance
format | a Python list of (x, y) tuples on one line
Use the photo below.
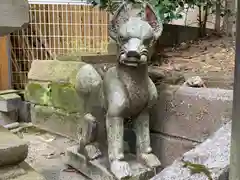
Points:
[(153, 20), (120, 17)]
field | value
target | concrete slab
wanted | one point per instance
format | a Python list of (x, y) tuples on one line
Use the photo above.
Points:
[(13, 150)]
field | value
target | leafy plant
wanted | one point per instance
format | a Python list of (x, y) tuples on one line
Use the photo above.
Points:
[(169, 10)]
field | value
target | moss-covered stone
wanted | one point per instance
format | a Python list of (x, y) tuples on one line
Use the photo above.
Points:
[(64, 96), (38, 93), (59, 95), (55, 71), (56, 120)]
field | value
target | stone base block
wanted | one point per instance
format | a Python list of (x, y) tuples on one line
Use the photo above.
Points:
[(55, 120), (9, 102), (98, 169), (13, 150)]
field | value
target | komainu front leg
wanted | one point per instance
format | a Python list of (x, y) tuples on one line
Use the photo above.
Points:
[(116, 103), (144, 150), (115, 130)]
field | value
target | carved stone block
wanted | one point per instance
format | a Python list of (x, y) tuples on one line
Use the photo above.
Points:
[(98, 169)]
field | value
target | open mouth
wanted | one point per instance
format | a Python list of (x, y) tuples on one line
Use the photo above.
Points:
[(131, 61)]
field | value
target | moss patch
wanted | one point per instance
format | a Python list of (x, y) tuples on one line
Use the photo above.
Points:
[(37, 93), (58, 95), (64, 96)]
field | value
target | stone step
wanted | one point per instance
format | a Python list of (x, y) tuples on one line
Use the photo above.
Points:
[(9, 102), (13, 150)]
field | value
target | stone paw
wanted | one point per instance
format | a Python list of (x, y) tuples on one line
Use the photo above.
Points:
[(149, 160), (121, 169)]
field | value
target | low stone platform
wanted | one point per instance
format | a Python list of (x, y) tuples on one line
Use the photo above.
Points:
[(21, 171), (13, 150), (210, 160), (97, 169)]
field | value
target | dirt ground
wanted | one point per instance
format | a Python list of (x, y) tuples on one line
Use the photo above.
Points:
[(211, 58)]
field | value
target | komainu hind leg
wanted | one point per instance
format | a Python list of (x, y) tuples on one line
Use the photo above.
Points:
[(144, 150)]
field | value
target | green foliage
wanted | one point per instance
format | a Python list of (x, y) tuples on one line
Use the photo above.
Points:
[(169, 10)]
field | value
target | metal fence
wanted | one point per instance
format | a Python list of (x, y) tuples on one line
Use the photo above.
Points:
[(57, 28)]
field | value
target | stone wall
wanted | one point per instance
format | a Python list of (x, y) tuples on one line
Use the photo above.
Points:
[(182, 118), (14, 15), (185, 117), (55, 104)]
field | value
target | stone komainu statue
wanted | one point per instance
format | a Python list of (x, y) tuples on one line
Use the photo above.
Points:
[(126, 90)]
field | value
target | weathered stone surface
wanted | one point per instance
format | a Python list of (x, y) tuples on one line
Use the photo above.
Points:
[(8, 117), (59, 95), (13, 15), (12, 149), (55, 71), (21, 171), (89, 58), (112, 47), (9, 102), (56, 120), (37, 93), (214, 154), (158, 74), (10, 172), (98, 169), (167, 149), (12, 125), (24, 112), (213, 80), (194, 113)]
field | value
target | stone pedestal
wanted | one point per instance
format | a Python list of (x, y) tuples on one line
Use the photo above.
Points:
[(98, 169)]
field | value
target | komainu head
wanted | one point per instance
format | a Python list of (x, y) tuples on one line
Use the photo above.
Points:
[(135, 35)]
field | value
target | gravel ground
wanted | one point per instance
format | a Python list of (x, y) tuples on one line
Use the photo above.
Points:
[(46, 155)]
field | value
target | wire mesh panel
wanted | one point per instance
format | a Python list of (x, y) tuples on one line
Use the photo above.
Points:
[(57, 28)]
